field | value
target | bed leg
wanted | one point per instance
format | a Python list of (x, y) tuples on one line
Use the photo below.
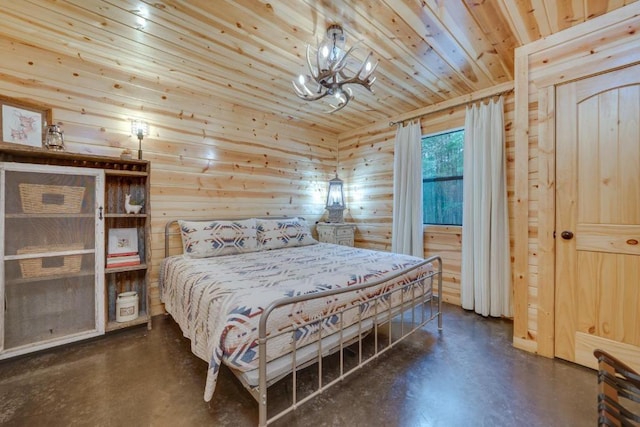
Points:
[(262, 371), (262, 410)]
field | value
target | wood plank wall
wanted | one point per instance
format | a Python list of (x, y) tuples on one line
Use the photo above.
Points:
[(207, 159), (366, 165)]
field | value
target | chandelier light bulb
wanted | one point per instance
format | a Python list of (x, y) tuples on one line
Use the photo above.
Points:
[(324, 51)]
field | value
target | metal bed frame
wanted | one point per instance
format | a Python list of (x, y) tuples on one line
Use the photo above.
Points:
[(420, 305)]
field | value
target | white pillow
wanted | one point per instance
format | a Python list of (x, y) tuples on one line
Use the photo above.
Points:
[(283, 233), (202, 239)]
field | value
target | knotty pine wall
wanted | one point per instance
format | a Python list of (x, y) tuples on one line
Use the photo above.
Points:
[(207, 159), (215, 160), (366, 165)]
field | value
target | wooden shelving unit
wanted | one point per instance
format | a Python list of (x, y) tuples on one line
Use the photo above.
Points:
[(110, 179), (119, 183)]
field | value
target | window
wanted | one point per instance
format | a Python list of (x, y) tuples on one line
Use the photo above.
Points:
[(442, 159)]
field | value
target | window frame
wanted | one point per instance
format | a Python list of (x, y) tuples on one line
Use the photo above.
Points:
[(449, 178)]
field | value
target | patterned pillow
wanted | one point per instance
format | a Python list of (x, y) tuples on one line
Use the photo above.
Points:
[(283, 233), (202, 239)]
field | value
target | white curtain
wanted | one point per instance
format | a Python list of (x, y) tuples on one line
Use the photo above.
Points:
[(486, 263), (406, 236)]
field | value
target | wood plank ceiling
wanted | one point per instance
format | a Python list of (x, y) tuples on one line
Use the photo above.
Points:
[(246, 52)]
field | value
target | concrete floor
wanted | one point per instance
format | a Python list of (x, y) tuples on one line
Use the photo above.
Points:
[(466, 375)]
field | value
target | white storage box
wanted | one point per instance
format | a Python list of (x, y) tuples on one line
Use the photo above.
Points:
[(126, 306)]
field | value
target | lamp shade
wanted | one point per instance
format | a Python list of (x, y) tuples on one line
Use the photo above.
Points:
[(139, 128), (335, 195)]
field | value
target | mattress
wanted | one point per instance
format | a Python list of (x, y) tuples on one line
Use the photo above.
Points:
[(217, 301)]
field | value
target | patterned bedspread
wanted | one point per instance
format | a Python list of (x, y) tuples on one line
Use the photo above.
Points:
[(218, 301)]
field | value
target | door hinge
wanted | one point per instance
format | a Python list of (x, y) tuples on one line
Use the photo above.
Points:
[(554, 234)]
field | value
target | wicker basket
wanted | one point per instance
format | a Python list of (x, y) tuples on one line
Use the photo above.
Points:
[(34, 267), (51, 199)]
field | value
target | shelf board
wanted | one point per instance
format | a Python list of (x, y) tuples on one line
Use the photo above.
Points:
[(58, 253), (125, 215), (44, 344), (142, 318), (127, 268), (22, 280), (42, 215), (115, 172), (25, 154)]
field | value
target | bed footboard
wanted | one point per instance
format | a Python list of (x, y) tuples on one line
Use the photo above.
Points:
[(411, 304)]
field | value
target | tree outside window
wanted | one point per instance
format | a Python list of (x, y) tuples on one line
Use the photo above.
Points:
[(442, 171)]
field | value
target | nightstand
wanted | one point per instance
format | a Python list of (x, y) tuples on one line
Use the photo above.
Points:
[(340, 233)]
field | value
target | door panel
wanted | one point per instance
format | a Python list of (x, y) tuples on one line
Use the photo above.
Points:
[(608, 238), (598, 199)]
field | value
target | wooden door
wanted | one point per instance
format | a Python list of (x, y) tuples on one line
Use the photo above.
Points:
[(598, 217)]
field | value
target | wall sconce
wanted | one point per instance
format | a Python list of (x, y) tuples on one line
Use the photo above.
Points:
[(139, 129), (335, 200)]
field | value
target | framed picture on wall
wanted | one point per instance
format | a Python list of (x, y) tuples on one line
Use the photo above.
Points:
[(23, 123), (123, 241)]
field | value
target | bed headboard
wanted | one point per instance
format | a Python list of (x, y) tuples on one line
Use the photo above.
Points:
[(171, 228)]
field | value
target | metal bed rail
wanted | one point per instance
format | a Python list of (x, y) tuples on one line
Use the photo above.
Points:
[(394, 302)]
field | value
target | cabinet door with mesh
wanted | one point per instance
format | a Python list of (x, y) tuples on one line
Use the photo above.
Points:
[(51, 248)]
